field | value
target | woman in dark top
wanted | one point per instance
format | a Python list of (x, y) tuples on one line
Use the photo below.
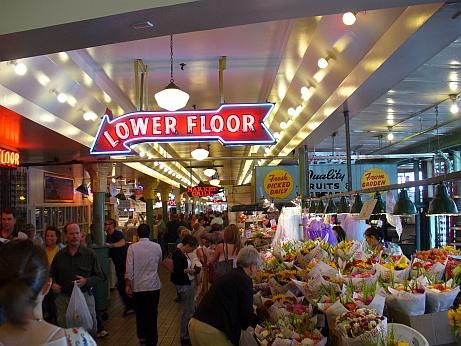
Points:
[(339, 232), (227, 308), (183, 276)]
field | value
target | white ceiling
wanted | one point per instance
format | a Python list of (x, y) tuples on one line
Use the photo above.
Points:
[(386, 49)]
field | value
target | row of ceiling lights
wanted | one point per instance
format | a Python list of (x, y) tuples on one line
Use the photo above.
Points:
[(349, 18)]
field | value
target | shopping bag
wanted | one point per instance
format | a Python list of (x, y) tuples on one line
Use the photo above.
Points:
[(168, 263), (78, 314)]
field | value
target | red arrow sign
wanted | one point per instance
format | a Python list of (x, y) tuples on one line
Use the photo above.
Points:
[(229, 124)]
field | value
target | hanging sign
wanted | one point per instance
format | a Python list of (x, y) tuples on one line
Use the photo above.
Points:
[(374, 177), (203, 190), (9, 158), (277, 183), (229, 124), (327, 178)]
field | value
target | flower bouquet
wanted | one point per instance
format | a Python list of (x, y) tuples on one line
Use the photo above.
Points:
[(440, 296), (395, 268), (355, 327), (368, 297), (431, 262), (454, 319), (408, 297), (346, 249)]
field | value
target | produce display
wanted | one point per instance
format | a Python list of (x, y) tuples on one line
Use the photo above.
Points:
[(311, 291)]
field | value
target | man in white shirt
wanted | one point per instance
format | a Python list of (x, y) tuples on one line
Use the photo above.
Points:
[(143, 283)]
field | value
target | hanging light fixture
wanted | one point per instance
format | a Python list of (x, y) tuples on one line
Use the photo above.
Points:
[(171, 98), (215, 180), (121, 196), (349, 18), (209, 172), (200, 153), (331, 207), (343, 206), (83, 187), (320, 208), (404, 205), (312, 207), (357, 205), (380, 206), (272, 208), (442, 204)]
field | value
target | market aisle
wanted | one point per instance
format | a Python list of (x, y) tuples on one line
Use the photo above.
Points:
[(122, 330)]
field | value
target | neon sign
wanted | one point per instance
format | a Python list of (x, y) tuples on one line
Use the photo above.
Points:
[(229, 124), (203, 190), (9, 158)]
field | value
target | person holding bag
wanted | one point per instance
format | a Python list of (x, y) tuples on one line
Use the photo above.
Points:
[(24, 281), (183, 276)]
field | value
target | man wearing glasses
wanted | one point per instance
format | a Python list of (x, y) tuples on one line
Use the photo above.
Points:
[(115, 241)]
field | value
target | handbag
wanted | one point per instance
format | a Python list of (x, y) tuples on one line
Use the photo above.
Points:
[(220, 268), (168, 263), (78, 314)]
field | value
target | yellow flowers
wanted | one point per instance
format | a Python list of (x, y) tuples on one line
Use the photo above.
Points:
[(454, 318)]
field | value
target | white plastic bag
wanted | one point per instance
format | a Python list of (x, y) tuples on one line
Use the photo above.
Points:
[(411, 304), (78, 314), (440, 301)]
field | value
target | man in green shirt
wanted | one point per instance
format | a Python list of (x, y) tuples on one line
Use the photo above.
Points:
[(74, 263)]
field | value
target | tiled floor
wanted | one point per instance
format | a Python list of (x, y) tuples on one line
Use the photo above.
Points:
[(122, 330)]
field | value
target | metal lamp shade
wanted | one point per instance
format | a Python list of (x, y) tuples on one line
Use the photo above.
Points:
[(357, 205), (83, 189), (331, 207), (121, 196), (442, 204), (313, 207), (320, 208), (343, 206), (380, 207), (404, 205)]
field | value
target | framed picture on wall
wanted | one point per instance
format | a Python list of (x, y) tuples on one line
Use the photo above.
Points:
[(58, 189)]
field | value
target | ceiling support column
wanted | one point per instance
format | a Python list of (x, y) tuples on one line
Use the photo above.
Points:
[(348, 147), (165, 190), (149, 195), (418, 205), (457, 195), (99, 173)]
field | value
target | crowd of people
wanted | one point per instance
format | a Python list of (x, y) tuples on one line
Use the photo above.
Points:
[(37, 276)]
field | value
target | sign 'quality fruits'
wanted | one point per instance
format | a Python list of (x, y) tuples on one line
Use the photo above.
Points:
[(229, 124)]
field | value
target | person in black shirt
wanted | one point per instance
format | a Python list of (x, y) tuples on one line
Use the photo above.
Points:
[(227, 308), (115, 241)]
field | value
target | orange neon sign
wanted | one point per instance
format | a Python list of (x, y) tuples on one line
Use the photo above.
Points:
[(9, 158)]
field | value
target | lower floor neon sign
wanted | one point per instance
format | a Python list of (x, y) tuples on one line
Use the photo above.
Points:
[(230, 124), (9, 158)]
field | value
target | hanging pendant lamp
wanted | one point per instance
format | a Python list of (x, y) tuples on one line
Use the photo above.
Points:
[(312, 207), (121, 196), (320, 208), (357, 205), (380, 206), (331, 207), (200, 153), (171, 98), (343, 206), (404, 205), (83, 187), (442, 204)]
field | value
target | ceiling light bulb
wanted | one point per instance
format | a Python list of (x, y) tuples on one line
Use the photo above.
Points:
[(142, 153), (276, 135), (209, 172), (20, 69), (390, 136), (113, 180), (215, 181), (349, 18), (62, 98), (291, 112), (454, 106), (283, 125), (200, 153), (267, 150), (322, 63), (89, 116)]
